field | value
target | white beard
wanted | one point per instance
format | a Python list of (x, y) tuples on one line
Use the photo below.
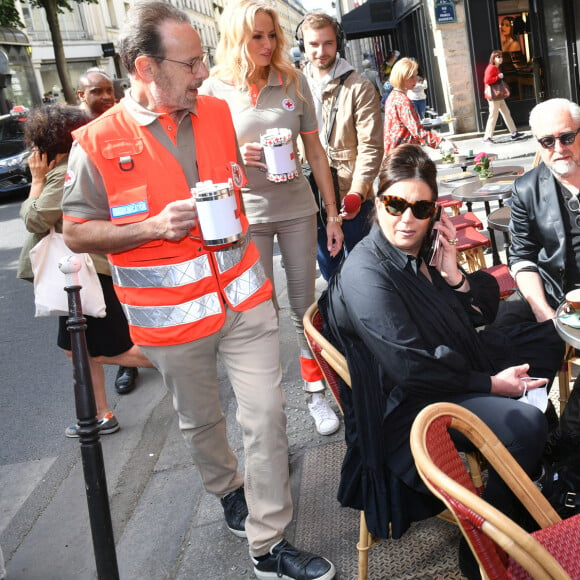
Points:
[(563, 168)]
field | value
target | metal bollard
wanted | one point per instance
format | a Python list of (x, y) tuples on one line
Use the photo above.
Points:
[(91, 450)]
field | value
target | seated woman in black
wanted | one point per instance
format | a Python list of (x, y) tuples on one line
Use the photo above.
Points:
[(408, 331)]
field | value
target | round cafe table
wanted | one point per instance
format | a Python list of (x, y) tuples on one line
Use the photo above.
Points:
[(470, 191), (567, 333), (475, 191), (500, 220), (462, 161)]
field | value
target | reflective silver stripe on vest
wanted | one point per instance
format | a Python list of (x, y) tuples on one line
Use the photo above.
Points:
[(246, 284), (232, 255), (169, 276), (165, 316)]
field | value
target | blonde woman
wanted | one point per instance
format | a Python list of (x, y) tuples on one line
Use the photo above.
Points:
[(264, 90), (402, 123)]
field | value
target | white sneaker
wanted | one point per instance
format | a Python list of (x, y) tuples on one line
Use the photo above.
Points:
[(324, 417)]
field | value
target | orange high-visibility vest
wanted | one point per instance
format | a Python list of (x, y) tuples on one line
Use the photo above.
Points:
[(173, 292)]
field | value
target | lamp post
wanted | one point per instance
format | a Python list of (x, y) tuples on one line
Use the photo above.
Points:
[(91, 451)]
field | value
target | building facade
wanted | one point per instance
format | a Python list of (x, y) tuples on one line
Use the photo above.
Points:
[(453, 39), (89, 33)]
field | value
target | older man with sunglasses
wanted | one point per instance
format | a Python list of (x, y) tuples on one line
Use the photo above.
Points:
[(545, 221)]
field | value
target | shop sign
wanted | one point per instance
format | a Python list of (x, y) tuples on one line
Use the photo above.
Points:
[(444, 12)]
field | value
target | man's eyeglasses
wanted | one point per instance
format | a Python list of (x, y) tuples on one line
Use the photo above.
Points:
[(397, 206), (574, 206), (549, 141), (194, 64)]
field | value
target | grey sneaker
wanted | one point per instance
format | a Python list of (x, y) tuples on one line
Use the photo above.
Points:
[(107, 425), (286, 562), (235, 512)]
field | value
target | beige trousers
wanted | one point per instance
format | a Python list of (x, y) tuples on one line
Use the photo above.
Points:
[(248, 345), (495, 108)]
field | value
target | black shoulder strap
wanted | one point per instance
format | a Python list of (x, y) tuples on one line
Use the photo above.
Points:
[(342, 77)]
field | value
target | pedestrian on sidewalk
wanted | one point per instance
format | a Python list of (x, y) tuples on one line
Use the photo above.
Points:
[(48, 133), (129, 195), (491, 76), (97, 95), (349, 127), (264, 91), (418, 95), (372, 76)]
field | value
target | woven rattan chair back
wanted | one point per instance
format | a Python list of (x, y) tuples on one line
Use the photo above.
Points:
[(502, 548)]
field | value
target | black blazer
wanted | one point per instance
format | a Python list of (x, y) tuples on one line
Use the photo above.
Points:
[(537, 230)]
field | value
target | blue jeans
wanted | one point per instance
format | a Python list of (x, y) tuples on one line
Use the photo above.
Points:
[(420, 107), (354, 230)]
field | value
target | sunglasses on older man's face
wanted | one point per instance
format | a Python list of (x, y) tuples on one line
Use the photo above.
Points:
[(397, 206), (549, 142)]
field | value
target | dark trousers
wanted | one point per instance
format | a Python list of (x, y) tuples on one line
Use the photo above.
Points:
[(354, 231)]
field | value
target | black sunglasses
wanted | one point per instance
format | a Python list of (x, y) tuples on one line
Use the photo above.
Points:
[(574, 207), (396, 206), (549, 141)]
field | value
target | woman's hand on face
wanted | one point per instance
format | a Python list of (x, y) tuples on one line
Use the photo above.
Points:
[(514, 381), (449, 269), (252, 155), (39, 165)]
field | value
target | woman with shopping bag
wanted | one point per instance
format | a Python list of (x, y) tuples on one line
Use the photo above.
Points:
[(48, 134), (496, 91)]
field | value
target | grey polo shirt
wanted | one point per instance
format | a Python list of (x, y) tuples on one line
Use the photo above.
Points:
[(275, 107)]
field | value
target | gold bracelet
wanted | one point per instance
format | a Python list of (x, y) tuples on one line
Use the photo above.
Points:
[(337, 219)]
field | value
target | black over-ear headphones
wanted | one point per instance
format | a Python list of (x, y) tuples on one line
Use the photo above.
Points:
[(340, 36)]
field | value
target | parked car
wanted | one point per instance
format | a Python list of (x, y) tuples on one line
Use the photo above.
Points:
[(14, 172)]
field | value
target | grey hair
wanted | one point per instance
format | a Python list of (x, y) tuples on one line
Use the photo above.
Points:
[(549, 108), (140, 33)]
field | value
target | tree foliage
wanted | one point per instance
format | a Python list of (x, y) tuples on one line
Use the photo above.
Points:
[(9, 17)]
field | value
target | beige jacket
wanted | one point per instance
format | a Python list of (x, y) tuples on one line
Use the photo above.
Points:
[(355, 148)]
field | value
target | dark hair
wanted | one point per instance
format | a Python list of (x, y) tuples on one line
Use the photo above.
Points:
[(408, 162), (494, 54), (140, 33), (49, 128)]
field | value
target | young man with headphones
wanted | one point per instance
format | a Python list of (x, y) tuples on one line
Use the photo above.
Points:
[(349, 125)]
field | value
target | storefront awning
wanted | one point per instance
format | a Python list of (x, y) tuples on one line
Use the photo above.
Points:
[(13, 36), (371, 19)]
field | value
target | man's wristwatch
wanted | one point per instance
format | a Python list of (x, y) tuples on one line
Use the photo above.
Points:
[(337, 219)]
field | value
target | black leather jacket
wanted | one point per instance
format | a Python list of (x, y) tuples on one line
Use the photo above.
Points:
[(538, 239)]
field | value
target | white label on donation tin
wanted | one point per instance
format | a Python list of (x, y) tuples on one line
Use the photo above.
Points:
[(217, 212)]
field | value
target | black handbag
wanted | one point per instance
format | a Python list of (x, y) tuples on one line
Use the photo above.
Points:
[(307, 171), (560, 481)]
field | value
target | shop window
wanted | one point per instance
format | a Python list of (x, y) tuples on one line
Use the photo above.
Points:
[(514, 35)]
